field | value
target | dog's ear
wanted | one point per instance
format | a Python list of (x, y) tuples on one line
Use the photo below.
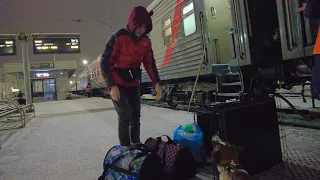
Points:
[(216, 157), (216, 140)]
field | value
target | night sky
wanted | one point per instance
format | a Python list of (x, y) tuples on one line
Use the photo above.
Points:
[(55, 16)]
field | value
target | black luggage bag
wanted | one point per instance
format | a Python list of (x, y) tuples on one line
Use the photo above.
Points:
[(252, 125)]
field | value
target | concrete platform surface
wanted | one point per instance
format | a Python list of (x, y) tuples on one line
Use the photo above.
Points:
[(69, 140), (297, 102)]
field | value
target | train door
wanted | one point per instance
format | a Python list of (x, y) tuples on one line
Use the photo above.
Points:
[(219, 28), (298, 33)]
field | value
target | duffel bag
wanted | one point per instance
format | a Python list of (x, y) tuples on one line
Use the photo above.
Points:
[(193, 141), (125, 163), (177, 160)]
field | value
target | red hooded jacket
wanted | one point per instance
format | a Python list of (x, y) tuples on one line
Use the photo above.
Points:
[(124, 50), (316, 49)]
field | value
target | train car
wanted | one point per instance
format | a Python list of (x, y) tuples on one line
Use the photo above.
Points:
[(230, 47), (244, 39), (91, 74)]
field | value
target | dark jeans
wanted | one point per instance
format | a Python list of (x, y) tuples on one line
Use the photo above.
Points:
[(128, 109), (315, 82)]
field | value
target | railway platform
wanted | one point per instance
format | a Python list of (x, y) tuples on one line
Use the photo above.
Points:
[(69, 140)]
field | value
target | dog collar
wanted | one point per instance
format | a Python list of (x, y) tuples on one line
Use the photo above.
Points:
[(231, 168)]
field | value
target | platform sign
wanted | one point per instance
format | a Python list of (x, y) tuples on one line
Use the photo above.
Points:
[(42, 66), (8, 47), (56, 45), (41, 75)]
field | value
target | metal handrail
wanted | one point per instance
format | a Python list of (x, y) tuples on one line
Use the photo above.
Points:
[(31, 106), (12, 108), (15, 108)]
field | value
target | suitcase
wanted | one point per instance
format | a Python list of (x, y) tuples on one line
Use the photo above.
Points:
[(252, 125)]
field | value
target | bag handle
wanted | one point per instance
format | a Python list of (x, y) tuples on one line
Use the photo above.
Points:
[(170, 141), (108, 166), (135, 158), (140, 147)]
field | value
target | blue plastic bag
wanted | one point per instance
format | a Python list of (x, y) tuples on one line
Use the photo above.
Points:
[(194, 142)]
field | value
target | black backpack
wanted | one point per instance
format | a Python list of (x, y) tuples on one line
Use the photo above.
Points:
[(313, 9)]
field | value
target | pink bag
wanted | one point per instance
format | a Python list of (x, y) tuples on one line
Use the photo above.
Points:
[(177, 161)]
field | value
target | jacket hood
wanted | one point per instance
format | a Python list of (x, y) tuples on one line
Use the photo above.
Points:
[(139, 16)]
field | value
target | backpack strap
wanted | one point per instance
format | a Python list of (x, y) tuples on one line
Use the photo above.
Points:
[(135, 158)]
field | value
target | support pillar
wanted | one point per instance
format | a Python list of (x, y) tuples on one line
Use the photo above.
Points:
[(26, 66)]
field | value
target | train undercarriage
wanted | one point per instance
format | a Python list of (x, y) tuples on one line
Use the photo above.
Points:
[(256, 81)]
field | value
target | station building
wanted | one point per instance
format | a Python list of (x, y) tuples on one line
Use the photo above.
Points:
[(53, 61), (49, 80)]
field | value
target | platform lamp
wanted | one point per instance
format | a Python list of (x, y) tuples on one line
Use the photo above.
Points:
[(85, 62), (3, 89), (75, 81)]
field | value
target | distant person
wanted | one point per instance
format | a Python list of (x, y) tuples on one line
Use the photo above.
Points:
[(88, 90), (20, 100), (312, 11), (20, 95), (120, 64)]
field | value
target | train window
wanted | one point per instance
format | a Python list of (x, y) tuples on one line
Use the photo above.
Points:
[(98, 71), (187, 8), (189, 19), (167, 34), (167, 31), (167, 22), (189, 25), (91, 74)]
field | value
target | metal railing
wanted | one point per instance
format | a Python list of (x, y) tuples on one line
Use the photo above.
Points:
[(13, 115)]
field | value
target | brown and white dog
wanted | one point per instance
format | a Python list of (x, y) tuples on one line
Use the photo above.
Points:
[(226, 157)]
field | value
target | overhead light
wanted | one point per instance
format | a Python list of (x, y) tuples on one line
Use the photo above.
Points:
[(85, 62)]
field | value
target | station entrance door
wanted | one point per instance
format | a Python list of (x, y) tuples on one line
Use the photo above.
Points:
[(43, 89)]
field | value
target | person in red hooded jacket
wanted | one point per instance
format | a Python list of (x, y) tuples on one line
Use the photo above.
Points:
[(120, 63)]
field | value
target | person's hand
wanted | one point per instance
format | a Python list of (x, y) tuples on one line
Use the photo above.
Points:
[(158, 91), (114, 93)]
